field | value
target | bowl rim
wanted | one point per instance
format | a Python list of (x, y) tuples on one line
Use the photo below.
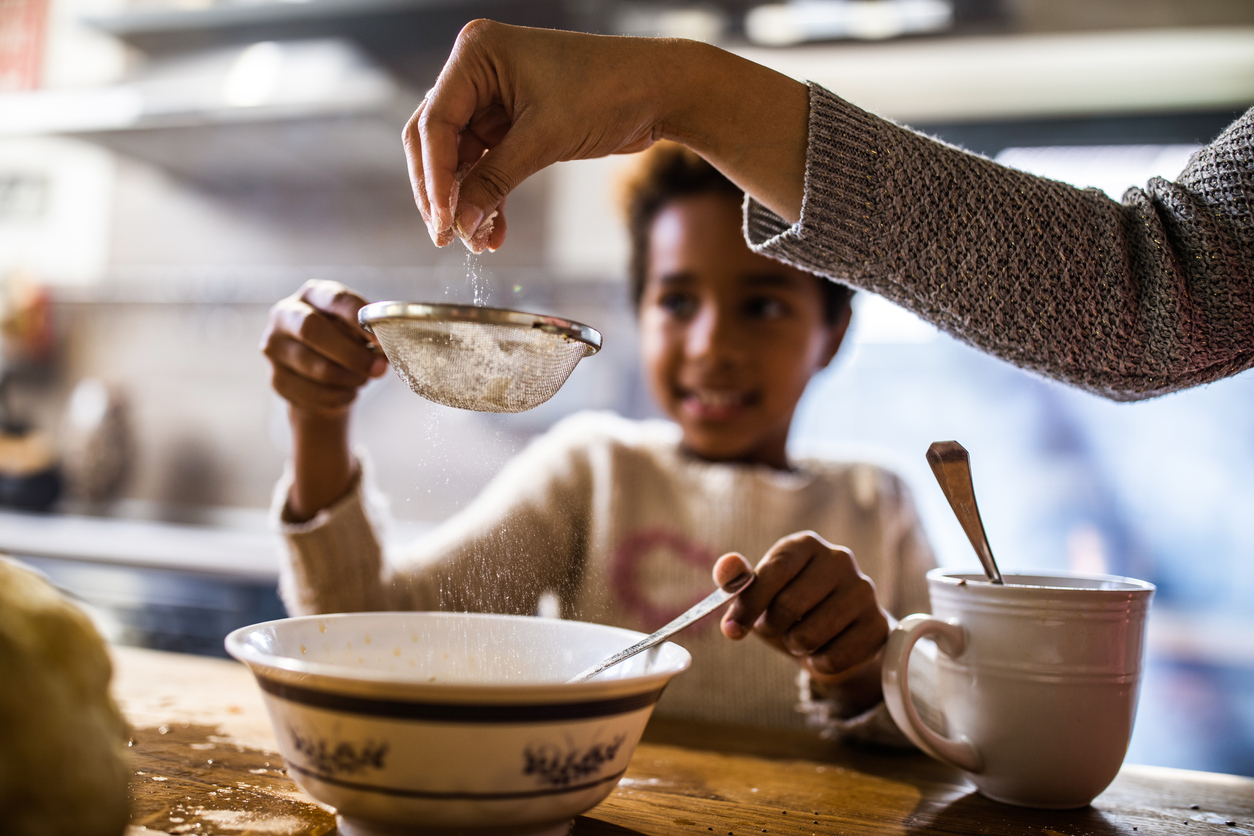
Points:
[(313, 673), (951, 577)]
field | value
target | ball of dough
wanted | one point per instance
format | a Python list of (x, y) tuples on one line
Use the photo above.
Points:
[(63, 763)]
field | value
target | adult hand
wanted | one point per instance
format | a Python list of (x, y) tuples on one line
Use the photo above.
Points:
[(511, 101), (810, 601), (318, 353)]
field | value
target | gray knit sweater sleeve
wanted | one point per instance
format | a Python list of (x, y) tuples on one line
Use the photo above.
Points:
[(1127, 300)]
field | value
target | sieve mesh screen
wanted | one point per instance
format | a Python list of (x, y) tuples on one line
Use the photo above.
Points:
[(481, 366)]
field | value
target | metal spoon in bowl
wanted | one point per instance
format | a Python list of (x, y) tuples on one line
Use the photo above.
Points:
[(707, 605), (952, 466)]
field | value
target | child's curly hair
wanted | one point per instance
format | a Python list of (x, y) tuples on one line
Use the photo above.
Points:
[(667, 172)]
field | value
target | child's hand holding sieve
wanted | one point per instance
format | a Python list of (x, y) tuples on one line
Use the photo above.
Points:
[(319, 354), (320, 357)]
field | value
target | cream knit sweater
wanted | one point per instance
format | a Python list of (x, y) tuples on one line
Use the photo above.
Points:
[(1126, 300), (623, 527)]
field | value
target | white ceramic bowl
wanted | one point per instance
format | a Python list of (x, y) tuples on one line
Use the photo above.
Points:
[(430, 722)]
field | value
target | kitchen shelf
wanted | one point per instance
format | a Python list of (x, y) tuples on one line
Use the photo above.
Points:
[(349, 131), (321, 150), (312, 112), (381, 26), (1005, 77)]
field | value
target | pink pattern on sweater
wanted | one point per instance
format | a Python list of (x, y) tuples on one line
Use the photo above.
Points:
[(634, 597)]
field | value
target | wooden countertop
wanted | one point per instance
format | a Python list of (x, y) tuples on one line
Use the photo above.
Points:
[(206, 763)]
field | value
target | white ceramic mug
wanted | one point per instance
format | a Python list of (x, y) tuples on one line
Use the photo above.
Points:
[(1035, 684)]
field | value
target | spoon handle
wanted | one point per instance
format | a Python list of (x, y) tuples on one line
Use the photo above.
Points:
[(707, 605), (952, 465)]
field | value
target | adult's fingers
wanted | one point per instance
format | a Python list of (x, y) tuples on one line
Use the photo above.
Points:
[(491, 232), (512, 100), (486, 129), (441, 233), (412, 144), (527, 98), (437, 143), (496, 238), (492, 178), (467, 85), (477, 116)]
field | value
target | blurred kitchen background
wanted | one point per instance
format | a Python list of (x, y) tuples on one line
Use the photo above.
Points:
[(170, 168)]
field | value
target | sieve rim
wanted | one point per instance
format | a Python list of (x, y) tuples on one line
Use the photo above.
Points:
[(438, 311)]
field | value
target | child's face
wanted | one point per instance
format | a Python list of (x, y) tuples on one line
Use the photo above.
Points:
[(729, 338)]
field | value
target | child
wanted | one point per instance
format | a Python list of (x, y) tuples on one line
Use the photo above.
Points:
[(624, 520)]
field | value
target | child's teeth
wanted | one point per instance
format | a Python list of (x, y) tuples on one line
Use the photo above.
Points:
[(718, 399)]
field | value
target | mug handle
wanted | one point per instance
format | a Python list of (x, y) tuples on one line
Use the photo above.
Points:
[(951, 638)]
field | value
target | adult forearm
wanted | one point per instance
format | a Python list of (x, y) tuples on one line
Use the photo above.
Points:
[(748, 120)]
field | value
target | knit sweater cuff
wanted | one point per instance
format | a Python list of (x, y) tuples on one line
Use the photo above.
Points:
[(334, 560), (834, 236)]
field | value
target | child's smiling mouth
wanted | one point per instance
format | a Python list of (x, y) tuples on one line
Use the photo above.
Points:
[(710, 404)]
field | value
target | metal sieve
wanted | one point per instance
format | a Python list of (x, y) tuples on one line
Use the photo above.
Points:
[(471, 357)]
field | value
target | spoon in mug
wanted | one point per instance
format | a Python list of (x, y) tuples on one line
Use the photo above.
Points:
[(707, 605), (952, 466)]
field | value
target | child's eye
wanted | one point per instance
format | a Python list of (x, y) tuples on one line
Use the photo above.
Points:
[(766, 307), (678, 304)]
